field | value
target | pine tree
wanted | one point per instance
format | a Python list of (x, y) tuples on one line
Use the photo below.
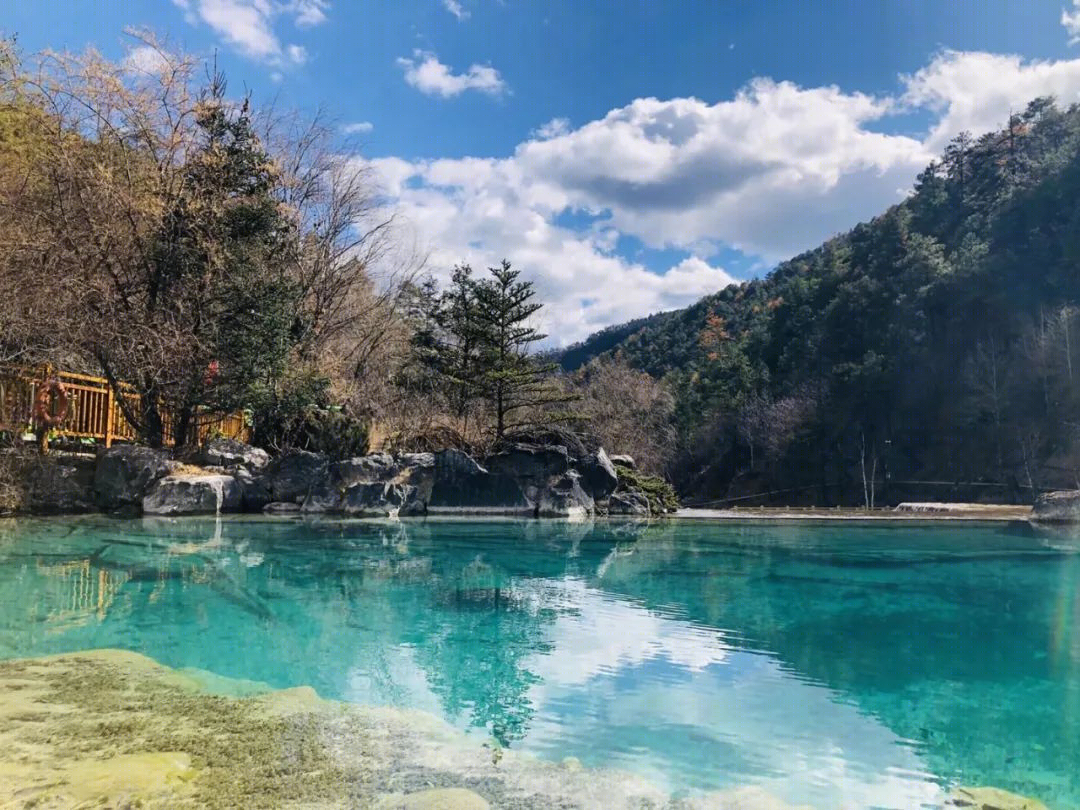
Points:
[(508, 377)]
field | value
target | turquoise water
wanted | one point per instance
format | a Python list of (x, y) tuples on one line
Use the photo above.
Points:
[(833, 665)]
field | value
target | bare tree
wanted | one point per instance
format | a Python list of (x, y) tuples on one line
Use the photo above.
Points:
[(629, 411)]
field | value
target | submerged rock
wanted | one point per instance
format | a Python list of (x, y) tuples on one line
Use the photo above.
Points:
[(138, 734), (437, 799), (125, 472), (988, 798), (744, 798), (193, 495)]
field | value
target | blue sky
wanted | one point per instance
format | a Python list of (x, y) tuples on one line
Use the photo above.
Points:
[(628, 156)]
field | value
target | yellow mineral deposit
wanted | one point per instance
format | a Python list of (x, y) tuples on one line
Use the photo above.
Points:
[(115, 729)]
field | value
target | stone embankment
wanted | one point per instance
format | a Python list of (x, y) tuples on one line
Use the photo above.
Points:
[(226, 476)]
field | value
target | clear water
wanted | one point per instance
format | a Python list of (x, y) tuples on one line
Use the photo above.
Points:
[(833, 665)]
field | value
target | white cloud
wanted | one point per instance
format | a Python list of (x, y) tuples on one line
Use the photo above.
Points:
[(481, 210), (764, 172), (146, 59), (248, 25), (427, 74), (455, 8), (552, 129), (358, 128), (1071, 21), (977, 91), (772, 171), (309, 12), (297, 54)]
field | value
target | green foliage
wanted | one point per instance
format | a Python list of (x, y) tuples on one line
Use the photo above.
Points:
[(297, 413), (474, 341), (661, 495), (221, 253), (935, 341)]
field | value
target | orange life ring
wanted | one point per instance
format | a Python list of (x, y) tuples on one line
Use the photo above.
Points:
[(42, 403)]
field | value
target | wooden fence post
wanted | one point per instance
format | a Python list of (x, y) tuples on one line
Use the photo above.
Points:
[(108, 416)]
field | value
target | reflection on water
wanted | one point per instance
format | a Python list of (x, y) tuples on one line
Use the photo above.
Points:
[(832, 665)]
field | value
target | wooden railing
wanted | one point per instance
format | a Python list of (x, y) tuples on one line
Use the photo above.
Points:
[(93, 410)]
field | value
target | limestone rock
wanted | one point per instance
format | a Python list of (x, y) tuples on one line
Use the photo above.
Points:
[(628, 502), (532, 462), (376, 499), (598, 474), (624, 461), (417, 460), (125, 472), (193, 495), (254, 490), (325, 499), (437, 799), (230, 453), (128, 779), (58, 488), (373, 467), (566, 498), (280, 508), (461, 485), (1058, 507), (293, 475), (743, 798), (988, 798)]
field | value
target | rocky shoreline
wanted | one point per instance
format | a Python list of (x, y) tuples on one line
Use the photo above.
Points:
[(519, 479)]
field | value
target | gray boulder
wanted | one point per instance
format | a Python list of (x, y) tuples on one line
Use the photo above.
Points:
[(1057, 507), (125, 472), (532, 462), (377, 499), (330, 499), (254, 490), (295, 474), (230, 453), (460, 485), (374, 467), (624, 461), (193, 495), (598, 474), (565, 498), (415, 461), (628, 502), (55, 488)]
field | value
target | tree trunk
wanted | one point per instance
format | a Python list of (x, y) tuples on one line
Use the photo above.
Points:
[(152, 424), (862, 467), (182, 426)]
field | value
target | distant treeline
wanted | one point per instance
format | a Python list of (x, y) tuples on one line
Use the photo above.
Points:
[(935, 342)]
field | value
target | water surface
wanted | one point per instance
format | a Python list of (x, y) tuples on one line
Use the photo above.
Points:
[(834, 665)]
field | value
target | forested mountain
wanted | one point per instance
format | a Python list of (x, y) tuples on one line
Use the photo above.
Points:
[(934, 343)]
